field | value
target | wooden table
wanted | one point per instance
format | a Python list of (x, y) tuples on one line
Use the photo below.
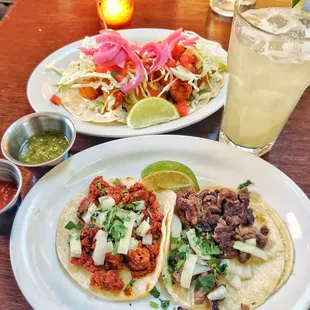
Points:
[(34, 29)]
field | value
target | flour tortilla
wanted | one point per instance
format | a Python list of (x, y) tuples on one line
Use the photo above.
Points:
[(267, 276), (141, 286)]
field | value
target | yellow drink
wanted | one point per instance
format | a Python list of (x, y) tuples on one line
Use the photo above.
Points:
[(268, 75)]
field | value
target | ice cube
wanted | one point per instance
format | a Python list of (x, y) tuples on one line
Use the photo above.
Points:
[(278, 21)]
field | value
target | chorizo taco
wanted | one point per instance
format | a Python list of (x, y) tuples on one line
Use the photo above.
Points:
[(113, 238), (229, 250)]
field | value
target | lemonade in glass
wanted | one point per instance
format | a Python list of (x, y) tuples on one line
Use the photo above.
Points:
[(269, 68)]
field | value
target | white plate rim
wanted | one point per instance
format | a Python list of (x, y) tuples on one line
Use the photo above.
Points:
[(304, 300), (41, 104)]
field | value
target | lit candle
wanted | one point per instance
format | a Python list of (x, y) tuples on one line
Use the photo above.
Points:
[(115, 13)]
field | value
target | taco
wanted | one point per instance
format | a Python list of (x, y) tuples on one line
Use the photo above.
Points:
[(229, 250), (112, 239), (111, 75)]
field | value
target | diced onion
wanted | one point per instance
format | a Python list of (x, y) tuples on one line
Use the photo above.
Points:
[(188, 270), (133, 244), (101, 218), (100, 248), (134, 216), (143, 228), (139, 220), (234, 281), (191, 235), (91, 210), (219, 293), (75, 245), (106, 202), (176, 227), (247, 248), (251, 241), (109, 247), (141, 205), (244, 271), (200, 269), (123, 245), (147, 239)]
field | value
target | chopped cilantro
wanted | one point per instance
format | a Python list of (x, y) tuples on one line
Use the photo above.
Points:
[(136, 195), (117, 231), (179, 264), (216, 264), (130, 206), (206, 248), (119, 219), (99, 185), (199, 229), (89, 226), (136, 203), (154, 292), (183, 235), (117, 181), (164, 304), (131, 282), (182, 255), (125, 191), (70, 225), (245, 184), (207, 282), (154, 304), (115, 73), (103, 191)]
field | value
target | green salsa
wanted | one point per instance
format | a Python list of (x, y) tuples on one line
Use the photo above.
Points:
[(42, 148)]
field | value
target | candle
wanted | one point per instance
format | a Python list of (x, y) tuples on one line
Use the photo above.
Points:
[(115, 13)]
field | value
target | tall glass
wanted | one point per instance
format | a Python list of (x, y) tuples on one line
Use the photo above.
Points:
[(269, 68)]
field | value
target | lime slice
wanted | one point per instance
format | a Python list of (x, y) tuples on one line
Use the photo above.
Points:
[(168, 174), (151, 111), (301, 5)]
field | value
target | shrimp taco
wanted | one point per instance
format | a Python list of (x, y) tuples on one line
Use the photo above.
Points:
[(113, 238), (111, 75), (229, 250)]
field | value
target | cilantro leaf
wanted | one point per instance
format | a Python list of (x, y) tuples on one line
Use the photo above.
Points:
[(211, 249), (164, 304), (99, 185), (245, 184), (179, 264), (117, 181), (131, 282), (154, 292), (125, 191), (154, 304), (207, 282), (70, 225)]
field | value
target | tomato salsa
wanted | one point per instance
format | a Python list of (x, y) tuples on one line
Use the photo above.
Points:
[(7, 192)]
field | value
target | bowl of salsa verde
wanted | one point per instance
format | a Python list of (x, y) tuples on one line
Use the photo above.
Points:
[(10, 187), (38, 140)]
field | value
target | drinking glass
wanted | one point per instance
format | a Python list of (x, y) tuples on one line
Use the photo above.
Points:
[(269, 69)]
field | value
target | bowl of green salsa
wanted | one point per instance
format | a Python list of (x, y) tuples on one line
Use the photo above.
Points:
[(39, 139)]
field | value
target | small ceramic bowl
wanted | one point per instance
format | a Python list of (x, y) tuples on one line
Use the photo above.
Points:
[(37, 123), (10, 172)]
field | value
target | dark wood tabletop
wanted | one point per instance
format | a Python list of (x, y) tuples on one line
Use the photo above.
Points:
[(34, 29)]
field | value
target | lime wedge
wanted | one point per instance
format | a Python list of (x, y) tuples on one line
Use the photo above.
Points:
[(302, 5), (167, 174), (151, 111)]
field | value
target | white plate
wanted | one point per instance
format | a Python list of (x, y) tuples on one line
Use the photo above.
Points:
[(40, 90), (44, 282)]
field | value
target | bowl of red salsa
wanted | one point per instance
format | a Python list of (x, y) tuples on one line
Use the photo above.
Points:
[(10, 187)]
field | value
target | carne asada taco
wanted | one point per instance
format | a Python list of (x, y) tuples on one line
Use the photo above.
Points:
[(113, 238), (228, 251)]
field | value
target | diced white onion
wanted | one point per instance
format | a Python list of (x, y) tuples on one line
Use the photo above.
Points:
[(191, 235), (244, 272), (143, 228), (133, 244), (176, 227), (234, 280), (100, 248), (75, 245), (91, 210), (147, 239), (139, 220), (134, 216), (123, 245), (251, 241), (109, 247), (188, 270), (200, 269), (101, 218), (141, 205), (247, 248), (106, 202), (219, 293)]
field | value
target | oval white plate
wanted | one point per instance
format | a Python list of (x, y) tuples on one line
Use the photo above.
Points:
[(40, 89), (44, 282)]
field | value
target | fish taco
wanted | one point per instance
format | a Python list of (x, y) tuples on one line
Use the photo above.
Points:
[(113, 238), (228, 250)]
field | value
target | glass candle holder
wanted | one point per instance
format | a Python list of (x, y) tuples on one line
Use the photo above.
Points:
[(115, 13)]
